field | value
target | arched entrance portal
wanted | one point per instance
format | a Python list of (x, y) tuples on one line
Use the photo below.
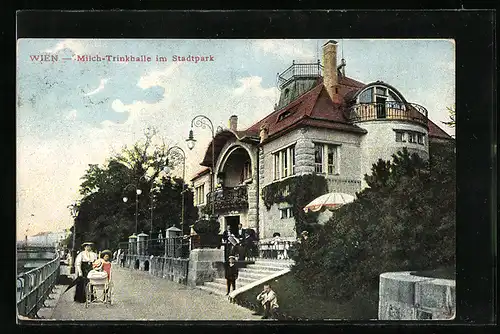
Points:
[(237, 169)]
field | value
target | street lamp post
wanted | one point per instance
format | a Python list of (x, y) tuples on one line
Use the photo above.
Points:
[(137, 193), (166, 169), (204, 122)]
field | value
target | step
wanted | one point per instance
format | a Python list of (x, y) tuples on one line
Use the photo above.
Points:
[(256, 273), (212, 290), (277, 263), (263, 271), (220, 280), (216, 285), (246, 280), (253, 275), (265, 266)]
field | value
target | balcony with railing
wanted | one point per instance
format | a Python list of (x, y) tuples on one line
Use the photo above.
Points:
[(296, 71), (400, 111), (228, 198)]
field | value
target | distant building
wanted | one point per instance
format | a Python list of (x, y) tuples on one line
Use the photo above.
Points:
[(47, 238), (324, 123)]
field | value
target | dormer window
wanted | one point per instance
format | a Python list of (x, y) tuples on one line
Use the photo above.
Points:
[(284, 115), (379, 94)]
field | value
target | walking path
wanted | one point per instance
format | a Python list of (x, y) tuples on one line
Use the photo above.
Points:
[(137, 295)]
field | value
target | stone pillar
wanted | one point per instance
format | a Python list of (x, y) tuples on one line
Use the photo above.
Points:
[(304, 156), (170, 241), (141, 244), (261, 206), (132, 244), (252, 193), (204, 265)]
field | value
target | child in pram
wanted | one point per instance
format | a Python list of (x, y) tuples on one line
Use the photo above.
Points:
[(102, 270)]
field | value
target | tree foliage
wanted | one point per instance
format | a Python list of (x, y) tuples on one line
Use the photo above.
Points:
[(405, 220), (452, 114), (104, 218)]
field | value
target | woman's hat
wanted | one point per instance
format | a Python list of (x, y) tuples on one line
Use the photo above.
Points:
[(87, 244), (107, 251), (232, 257)]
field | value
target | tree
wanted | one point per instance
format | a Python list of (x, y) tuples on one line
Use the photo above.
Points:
[(405, 220), (105, 219), (451, 114)]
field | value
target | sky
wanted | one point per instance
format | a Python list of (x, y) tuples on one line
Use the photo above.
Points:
[(72, 113)]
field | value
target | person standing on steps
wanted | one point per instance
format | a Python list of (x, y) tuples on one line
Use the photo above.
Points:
[(241, 248), (231, 274)]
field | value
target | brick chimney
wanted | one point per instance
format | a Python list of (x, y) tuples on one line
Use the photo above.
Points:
[(330, 77), (233, 122)]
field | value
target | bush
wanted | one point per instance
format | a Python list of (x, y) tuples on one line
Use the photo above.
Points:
[(207, 226), (404, 221)]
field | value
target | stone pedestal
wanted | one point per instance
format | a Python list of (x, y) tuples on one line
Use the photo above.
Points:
[(403, 296), (204, 265)]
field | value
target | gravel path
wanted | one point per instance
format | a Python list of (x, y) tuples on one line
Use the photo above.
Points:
[(140, 296)]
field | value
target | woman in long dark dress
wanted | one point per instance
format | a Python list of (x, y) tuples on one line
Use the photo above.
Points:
[(83, 264)]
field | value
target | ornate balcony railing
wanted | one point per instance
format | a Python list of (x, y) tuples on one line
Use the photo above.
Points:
[(387, 111), (313, 70), (228, 199)]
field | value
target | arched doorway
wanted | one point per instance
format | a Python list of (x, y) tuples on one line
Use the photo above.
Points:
[(146, 266), (236, 170), (136, 265)]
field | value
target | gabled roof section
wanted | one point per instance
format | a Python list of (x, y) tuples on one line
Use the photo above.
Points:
[(220, 140), (436, 132), (200, 173)]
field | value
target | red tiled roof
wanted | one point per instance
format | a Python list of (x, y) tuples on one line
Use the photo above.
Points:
[(436, 132), (315, 104)]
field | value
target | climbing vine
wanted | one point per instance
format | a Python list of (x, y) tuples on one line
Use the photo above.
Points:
[(297, 191)]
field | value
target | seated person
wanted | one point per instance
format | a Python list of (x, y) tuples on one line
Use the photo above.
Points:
[(269, 301)]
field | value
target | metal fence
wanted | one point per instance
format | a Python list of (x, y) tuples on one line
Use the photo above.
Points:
[(34, 286), (176, 247)]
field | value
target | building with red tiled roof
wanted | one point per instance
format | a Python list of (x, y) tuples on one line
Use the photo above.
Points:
[(324, 123)]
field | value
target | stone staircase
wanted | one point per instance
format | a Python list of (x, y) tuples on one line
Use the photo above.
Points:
[(262, 268)]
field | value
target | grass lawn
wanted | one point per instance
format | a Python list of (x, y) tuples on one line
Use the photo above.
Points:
[(296, 303)]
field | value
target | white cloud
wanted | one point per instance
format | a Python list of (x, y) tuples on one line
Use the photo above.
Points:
[(74, 45), (72, 114), (118, 106), (252, 86), (287, 49), (158, 77), (102, 83)]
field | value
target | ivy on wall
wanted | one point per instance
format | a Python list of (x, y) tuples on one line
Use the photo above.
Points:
[(298, 191)]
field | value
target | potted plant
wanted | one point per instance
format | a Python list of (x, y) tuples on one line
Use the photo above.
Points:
[(208, 231)]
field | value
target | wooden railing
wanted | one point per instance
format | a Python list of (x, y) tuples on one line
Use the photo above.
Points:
[(34, 286)]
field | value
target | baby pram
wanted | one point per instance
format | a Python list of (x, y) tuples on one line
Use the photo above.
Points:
[(99, 287)]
